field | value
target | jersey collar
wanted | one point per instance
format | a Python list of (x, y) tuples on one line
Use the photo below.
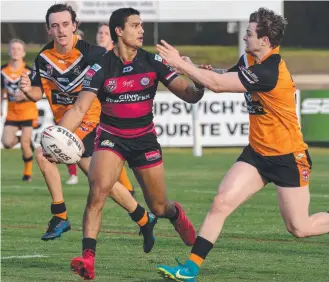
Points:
[(276, 50)]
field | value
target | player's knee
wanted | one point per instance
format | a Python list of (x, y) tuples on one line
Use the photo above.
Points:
[(97, 198), (297, 231), (222, 204), (99, 191), (7, 145)]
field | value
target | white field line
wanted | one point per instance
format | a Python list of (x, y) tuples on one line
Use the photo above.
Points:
[(25, 257)]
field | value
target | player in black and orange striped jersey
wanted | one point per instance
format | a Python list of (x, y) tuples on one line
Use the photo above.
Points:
[(276, 153), (20, 112), (58, 72), (104, 39)]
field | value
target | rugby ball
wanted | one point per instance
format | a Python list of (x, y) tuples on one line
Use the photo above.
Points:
[(63, 145)]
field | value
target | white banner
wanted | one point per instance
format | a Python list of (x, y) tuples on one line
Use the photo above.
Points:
[(151, 11), (223, 120)]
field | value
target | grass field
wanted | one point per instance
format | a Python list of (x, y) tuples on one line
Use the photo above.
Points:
[(254, 245)]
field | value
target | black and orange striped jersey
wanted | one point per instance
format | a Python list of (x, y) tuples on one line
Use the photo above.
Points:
[(274, 125), (22, 110), (61, 76)]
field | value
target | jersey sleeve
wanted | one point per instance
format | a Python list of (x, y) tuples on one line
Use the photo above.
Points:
[(165, 73), (261, 77), (94, 77), (235, 68), (92, 52), (35, 74)]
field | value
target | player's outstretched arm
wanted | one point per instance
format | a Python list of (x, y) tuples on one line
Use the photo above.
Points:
[(185, 90), (227, 82), (74, 116), (33, 93)]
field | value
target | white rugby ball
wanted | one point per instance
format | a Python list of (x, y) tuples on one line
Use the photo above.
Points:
[(63, 145)]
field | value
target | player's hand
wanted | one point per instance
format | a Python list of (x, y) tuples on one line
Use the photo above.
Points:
[(169, 53), (20, 96), (206, 67), (25, 83), (49, 157)]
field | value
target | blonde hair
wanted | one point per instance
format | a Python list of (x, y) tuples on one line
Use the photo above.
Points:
[(80, 33), (17, 40)]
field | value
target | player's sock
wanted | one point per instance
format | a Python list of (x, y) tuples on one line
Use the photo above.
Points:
[(27, 166), (175, 217), (200, 250), (58, 209), (89, 244), (124, 180), (72, 169), (139, 216)]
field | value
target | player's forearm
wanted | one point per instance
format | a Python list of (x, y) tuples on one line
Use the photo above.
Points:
[(193, 94), (72, 119), (35, 94), (207, 78)]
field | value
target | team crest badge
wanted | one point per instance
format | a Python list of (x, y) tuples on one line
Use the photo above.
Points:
[(110, 85), (50, 69), (76, 70)]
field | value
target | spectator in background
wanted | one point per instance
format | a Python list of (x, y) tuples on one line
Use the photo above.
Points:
[(80, 34), (103, 36)]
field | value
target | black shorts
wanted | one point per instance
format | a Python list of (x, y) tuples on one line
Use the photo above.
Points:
[(20, 124), (88, 143), (291, 170), (140, 152)]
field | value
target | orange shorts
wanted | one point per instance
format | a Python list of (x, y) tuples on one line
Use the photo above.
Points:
[(87, 133)]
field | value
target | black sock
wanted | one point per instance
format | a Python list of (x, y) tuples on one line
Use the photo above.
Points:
[(174, 218), (201, 247), (89, 244), (137, 214), (58, 208)]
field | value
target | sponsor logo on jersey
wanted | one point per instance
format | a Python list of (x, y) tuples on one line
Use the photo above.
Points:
[(145, 81), (63, 79), (158, 58), (127, 69), (96, 67), (128, 83), (89, 74)]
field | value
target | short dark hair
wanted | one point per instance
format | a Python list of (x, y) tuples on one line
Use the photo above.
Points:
[(57, 8), (102, 24), (269, 24), (118, 19)]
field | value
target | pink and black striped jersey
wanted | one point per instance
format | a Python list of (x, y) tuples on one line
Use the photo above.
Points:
[(126, 91)]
